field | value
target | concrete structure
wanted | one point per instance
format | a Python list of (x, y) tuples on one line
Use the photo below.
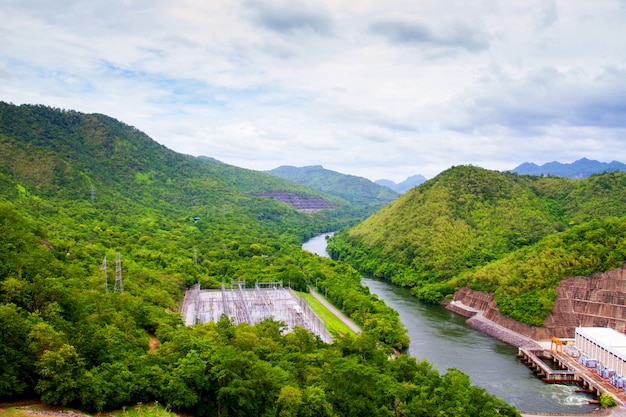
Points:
[(606, 345), (252, 305), (537, 360)]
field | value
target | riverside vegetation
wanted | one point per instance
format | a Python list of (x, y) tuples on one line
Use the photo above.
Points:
[(76, 187), (514, 236)]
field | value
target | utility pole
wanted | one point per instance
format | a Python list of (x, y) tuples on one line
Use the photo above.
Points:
[(106, 278), (119, 285)]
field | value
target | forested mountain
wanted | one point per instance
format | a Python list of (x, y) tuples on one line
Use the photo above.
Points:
[(356, 190), (579, 169), (403, 186), (434, 237), (76, 187), (97, 150)]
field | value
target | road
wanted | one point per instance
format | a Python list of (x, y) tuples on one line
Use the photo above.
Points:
[(347, 321)]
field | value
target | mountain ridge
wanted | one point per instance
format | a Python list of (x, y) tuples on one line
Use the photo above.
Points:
[(403, 186), (581, 168), (122, 156)]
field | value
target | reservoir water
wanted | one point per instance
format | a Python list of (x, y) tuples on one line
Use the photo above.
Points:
[(444, 339)]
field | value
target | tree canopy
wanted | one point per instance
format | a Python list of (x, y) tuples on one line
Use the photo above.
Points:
[(75, 188)]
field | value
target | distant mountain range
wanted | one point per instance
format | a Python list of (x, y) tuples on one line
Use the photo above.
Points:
[(579, 169), (404, 186)]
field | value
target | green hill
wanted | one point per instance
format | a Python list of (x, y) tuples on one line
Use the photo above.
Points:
[(355, 190), (524, 282), (97, 152), (469, 217), (77, 187)]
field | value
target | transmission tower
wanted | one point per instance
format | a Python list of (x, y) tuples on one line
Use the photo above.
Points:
[(119, 285), (106, 278), (93, 193)]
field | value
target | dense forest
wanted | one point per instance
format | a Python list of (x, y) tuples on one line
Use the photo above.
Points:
[(75, 188), (516, 236)]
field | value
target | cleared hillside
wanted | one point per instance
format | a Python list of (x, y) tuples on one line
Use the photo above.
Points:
[(358, 191)]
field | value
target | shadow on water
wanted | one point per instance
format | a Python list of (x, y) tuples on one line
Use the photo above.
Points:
[(444, 339)]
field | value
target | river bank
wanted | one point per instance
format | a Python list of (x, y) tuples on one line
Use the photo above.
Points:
[(444, 338), (478, 321)]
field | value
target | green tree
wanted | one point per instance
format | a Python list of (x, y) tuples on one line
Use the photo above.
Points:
[(43, 337), (15, 360), (289, 401), (315, 403), (61, 376), (108, 386)]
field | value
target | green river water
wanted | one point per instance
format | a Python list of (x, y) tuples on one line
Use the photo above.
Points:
[(443, 338)]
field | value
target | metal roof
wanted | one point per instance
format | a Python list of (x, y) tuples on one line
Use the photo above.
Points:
[(607, 338)]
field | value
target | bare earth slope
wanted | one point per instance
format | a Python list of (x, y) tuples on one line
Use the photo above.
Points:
[(597, 300)]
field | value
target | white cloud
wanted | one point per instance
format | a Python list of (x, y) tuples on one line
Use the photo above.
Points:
[(379, 88)]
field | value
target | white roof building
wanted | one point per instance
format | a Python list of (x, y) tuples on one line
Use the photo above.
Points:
[(606, 345)]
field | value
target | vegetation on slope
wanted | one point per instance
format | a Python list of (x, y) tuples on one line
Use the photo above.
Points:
[(76, 187), (468, 217), (524, 282), (356, 190), (73, 155)]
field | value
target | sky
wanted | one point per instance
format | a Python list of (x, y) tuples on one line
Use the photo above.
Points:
[(374, 88)]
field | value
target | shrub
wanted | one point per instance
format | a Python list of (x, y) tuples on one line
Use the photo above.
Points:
[(607, 400)]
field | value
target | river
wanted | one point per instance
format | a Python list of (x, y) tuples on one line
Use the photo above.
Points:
[(444, 339)]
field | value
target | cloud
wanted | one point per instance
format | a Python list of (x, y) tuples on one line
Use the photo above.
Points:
[(410, 31), (548, 14), (274, 82), (533, 101), (291, 16)]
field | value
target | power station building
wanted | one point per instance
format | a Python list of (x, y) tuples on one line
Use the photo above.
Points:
[(606, 345)]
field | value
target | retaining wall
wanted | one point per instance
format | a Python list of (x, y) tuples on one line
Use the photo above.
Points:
[(594, 301)]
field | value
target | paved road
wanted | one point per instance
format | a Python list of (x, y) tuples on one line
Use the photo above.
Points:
[(347, 321)]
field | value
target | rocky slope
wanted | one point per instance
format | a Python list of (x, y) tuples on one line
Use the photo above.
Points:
[(301, 202), (594, 301)]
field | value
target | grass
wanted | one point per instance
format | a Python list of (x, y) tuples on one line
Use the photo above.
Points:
[(144, 410), (333, 324), (139, 410), (41, 410)]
